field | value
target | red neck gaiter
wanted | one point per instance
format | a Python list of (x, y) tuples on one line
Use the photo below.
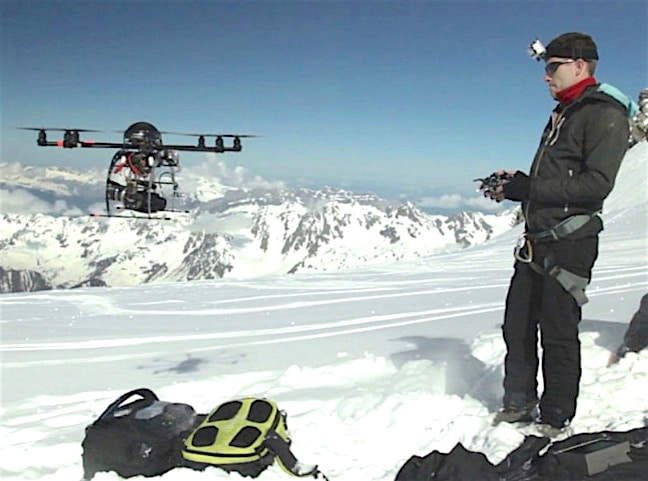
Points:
[(570, 94)]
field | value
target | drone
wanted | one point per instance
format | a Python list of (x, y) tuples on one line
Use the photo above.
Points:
[(141, 178)]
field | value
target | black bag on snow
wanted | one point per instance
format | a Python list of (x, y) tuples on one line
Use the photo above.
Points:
[(459, 464), (538, 459), (601, 456), (143, 437)]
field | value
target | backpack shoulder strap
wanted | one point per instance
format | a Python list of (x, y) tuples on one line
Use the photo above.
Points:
[(630, 105), (287, 460), (144, 393)]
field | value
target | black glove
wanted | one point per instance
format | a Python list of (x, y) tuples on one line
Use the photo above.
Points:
[(518, 187)]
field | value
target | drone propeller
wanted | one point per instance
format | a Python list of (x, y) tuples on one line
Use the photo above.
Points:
[(188, 134), (143, 134), (57, 129)]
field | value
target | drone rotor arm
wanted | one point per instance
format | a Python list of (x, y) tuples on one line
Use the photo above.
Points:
[(71, 138), (197, 148), (218, 148), (100, 145)]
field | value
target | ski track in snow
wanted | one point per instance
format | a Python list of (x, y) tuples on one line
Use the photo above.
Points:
[(339, 328)]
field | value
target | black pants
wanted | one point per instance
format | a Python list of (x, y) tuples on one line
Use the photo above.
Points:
[(536, 300)]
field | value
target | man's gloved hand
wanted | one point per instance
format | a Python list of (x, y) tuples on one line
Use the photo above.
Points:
[(492, 186), (517, 188)]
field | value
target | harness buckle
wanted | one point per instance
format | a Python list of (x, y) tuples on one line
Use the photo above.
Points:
[(523, 250)]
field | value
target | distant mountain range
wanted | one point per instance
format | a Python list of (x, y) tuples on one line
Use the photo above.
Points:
[(231, 232)]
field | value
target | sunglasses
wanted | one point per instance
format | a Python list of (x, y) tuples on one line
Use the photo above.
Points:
[(551, 67)]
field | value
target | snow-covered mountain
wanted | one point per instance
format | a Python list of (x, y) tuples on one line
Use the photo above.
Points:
[(232, 231)]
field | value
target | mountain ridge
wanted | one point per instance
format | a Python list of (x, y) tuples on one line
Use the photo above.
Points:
[(242, 233), (239, 233)]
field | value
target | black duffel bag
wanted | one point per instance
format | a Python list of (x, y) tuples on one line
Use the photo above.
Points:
[(141, 437)]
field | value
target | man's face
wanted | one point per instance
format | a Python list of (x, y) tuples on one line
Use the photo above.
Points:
[(561, 73)]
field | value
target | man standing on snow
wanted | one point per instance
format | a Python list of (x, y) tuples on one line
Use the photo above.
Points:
[(636, 337), (572, 172)]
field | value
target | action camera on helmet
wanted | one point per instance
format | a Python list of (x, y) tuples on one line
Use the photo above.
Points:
[(536, 50)]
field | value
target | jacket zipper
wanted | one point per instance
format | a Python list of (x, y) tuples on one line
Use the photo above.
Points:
[(555, 121), (566, 206)]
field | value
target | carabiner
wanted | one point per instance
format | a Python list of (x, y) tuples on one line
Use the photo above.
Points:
[(524, 250)]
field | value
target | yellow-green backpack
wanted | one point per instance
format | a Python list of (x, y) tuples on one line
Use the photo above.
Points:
[(244, 435)]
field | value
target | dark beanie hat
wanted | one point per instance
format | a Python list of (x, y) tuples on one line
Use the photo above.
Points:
[(573, 45)]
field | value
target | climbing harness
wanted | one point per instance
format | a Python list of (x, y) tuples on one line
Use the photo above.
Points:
[(572, 283)]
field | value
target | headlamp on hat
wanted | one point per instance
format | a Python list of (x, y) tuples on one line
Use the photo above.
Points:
[(536, 50), (562, 48)]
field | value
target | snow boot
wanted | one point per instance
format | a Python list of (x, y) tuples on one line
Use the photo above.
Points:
[(516, 414), (553, 432)]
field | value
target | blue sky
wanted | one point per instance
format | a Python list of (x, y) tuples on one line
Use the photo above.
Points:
[(403, 97)]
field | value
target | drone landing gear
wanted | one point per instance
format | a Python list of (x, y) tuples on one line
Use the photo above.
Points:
[(125, 216), (129, 213)]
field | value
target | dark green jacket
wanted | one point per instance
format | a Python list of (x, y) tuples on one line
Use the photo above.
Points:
[(577, 161)]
